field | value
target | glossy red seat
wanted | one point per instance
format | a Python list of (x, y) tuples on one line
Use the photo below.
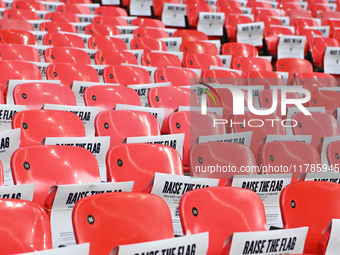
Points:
[(13, 36), (150, 32), (113, 57), (109, 20), (19, 52), (231, 23), (66, 55), (177, 76), (25, 227), (160, 60), (20, 14), (201, 61), (190, 35), (62, 165), (148, 44), (265, 78), (234, 209), (101, 30), (54, 27), (69, 72), (272, 36), (317, 124), (109, 123), (35, 95), (126, 75), (74, 8), (248, 64), (293, 66), (106, 43), (106, 96), (198, 47), (37, 124), (223, 77), (139, 163), (158, 5), (312, 81), (110, 11), (193, 10), (292, 14), (63, 40), (325, 98), (28, 5), (332, 152), (298, 199), (239, 49), (15, 24), (317, 46), (62, 17), (140, 211), (147, 22)]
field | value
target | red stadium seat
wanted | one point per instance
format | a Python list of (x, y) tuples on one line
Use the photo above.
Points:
[(15, 24), (61, 165), (268, 21), (147, 22), (37, 124), (293, 66), (231, 23), (139, 163), (18, 219), (201, 61), (264, 78), (160, 60), (150, 32), (194, 9), (106, 43), (177, 76), (101, 30), (148, 44), (272, 36), (126, 75), (223, 77), (158, 5), (66, 55), (239, 50), (328, 15), (190, 35), (332, 25), (62, 17), (140, 211), (19, 52), (198, 47), (113, 57), (316, 8), (20, 14), (54, 27), (313, 81), (298, 199), (109, 123), (317, 46), (106, 96), (28, 5), (292, 14), (249, 64), (234, 210), (74, 8), (333, 153), (13, 36), (317, 124), (109, 20), (63, 40), (325, 98), (110, 11), (69, 72), (35, 95)]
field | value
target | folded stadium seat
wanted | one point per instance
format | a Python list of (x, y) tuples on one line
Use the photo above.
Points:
[(28, 5), (190, 35), (328, 16), (113, 11), (158, 6), (332, 25), (293, 66), (201, 61), (108, 20), (63, 40), (13, 36), (316, 8), (69, 72), (317, 124), (74, 8), (62, 17), (148, 44), (258, 124), (297, 200), (231, 22), (325, 98), (17, 70), (106, 43), (20, 14), (198, 47), (301, 22), (35, 95), (193, 11), (255, 5), (150, 32), (292, 14), (66, 55), (54, 27), (160, 60), (62, 165), (312, 81), (317, 46), (101, 30), (248, 64), (227, 155), (126, 75), (177, 76), (25, 227), (228, 9), (139, 162), (264, 13), (290, 6), (147, 22), (107, 96), (336, 35), (309, 33), (37, 124), (272, 36), (239, 50), (114, 57), (333, 153), (19, 52), (264, 78), (110, 123), (293, 156), (223, 77), (266, 100), (15, 23), (233, 209), (141, 212), (170, 98), (193, 124), (268, 21)]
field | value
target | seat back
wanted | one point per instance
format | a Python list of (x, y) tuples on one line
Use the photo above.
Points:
[(160, 60), (109, 20), (239, 49), (298, 200), (114, 57), (190, 35), (150, 32), (189, 47), (19, 52), (333, 153), (264, 78), (19, 219), (101, 30), (106, 96), (177, 76), (139, 163), (62, 17), (272, 35), (66, 55), (126, 75), (312, 81), (63, 40), (28, 5), (147, 22), (317, 46), (148, 44), (20, 14), (14, 36), (120, 124), (325, 98), (94, 222), (37, 124), (74, 8), (235, 210), (110, 11), (55, 27), (293, 66), (61, 165), (223, 77), (106, 43), (201, 61), (15, 23), (248, 64)]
